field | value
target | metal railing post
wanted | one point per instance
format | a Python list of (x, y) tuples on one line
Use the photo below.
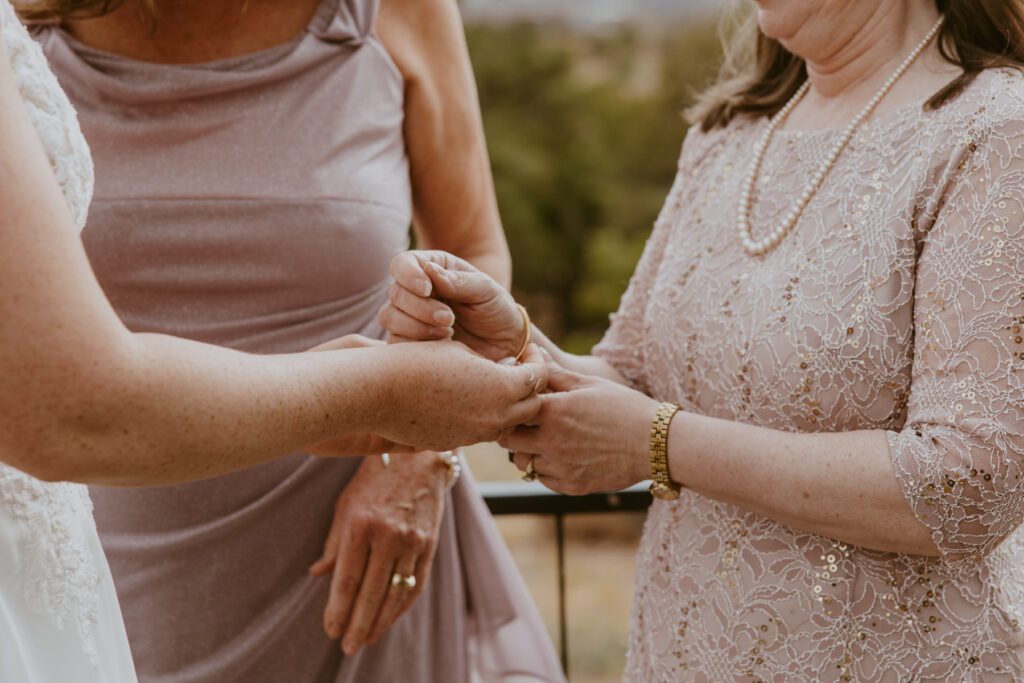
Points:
[(563, 623), (534, 499)]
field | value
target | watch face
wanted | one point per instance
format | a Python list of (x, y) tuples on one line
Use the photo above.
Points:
[(663, 491)]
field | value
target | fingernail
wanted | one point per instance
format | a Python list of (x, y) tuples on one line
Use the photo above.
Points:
[(350, 648), (426, 287), (446, 318), (333, 631), (443, 332), (507, 361)]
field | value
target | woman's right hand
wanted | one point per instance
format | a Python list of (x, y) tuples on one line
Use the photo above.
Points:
[(440, 395), (438, 296)]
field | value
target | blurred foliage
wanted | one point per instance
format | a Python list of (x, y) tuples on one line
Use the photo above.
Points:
[(584, 132)]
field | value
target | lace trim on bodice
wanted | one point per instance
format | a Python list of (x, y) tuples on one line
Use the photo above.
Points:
[(51, 113)]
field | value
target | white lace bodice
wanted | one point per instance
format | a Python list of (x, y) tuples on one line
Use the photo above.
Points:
[(49, 557), (896, 304), (51, 113)]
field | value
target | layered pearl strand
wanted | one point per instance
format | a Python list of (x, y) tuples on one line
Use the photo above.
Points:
[(772, 239)]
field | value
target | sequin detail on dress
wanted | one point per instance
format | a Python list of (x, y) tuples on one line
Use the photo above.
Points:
[(896, 304)]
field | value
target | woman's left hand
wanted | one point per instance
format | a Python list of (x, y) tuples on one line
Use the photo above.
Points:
[(591, 435), (386, 524)]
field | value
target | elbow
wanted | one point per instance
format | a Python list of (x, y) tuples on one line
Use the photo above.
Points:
[(51, 450), (67, 426)]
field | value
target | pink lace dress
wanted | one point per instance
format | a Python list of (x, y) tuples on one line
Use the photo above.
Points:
[(896, 304)]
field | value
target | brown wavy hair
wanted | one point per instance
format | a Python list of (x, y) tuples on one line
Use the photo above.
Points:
[(759, 76)]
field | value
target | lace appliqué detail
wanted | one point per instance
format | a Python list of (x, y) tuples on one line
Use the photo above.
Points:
[(62, 580), (52, 115)]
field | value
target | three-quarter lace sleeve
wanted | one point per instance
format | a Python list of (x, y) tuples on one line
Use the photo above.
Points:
[(623, 343), (960, 457)]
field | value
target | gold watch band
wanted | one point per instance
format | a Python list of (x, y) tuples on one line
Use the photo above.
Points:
[(662, 486)]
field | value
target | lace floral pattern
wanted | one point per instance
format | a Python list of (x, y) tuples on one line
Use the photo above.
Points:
[(62, 580), (51, 113), (896, 304)]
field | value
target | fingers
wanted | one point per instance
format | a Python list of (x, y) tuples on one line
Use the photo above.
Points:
[(402, 325), (349, 341), (427, 310), (534, 371), (522, 460), (372, 593), (524, 440), (560, 379), (466, 287), (327, 559), (408, 273), (401, 598), (345, 583)]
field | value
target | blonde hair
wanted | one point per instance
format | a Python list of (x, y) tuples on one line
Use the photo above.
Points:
[(759, 76)]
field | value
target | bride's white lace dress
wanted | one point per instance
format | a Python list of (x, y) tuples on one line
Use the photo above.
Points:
[(59, 617)]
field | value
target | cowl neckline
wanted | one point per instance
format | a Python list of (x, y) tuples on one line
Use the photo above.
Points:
[(336, 24)]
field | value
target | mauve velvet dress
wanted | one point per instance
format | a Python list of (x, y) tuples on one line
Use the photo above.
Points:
[(256, 203)]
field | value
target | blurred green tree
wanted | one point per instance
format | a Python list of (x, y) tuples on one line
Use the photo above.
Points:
[(584, 132)]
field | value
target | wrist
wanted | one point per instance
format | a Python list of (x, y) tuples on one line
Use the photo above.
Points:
[(524, 331), (640, 450), (663, 485), (424, 466), (430, 463)]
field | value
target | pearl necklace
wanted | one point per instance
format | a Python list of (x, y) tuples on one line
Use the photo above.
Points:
[(770, 241)]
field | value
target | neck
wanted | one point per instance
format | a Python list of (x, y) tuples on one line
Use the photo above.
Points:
[(189, 31), (859, 43)]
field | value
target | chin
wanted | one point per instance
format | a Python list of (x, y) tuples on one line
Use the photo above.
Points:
[(781, 19)]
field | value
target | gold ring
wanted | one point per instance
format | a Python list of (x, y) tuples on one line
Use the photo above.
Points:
[(404, 582), (531, 473)]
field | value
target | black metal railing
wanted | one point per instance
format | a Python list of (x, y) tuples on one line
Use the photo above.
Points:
[(532, 498)]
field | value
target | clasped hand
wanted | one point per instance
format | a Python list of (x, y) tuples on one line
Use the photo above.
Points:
[(590, 434)]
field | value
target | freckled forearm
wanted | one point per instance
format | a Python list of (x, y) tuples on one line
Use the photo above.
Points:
[(181, 410), (839, 485)]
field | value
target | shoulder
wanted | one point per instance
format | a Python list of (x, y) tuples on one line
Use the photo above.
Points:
[(424, 37), (991, 105), (701, 147), (427, 16)]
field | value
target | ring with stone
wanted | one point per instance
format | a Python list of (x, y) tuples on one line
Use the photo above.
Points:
[(531, 473), (405, 582)]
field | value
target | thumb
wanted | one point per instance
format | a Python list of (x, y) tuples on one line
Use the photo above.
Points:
[(461, 286)]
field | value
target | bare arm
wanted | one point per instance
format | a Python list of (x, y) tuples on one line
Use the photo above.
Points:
[(84, 399), (455, 208)]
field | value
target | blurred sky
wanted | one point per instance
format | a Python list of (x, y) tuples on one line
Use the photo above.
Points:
[(585, 12)]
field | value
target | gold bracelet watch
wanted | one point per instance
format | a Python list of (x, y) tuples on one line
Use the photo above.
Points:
[(662, 486)]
